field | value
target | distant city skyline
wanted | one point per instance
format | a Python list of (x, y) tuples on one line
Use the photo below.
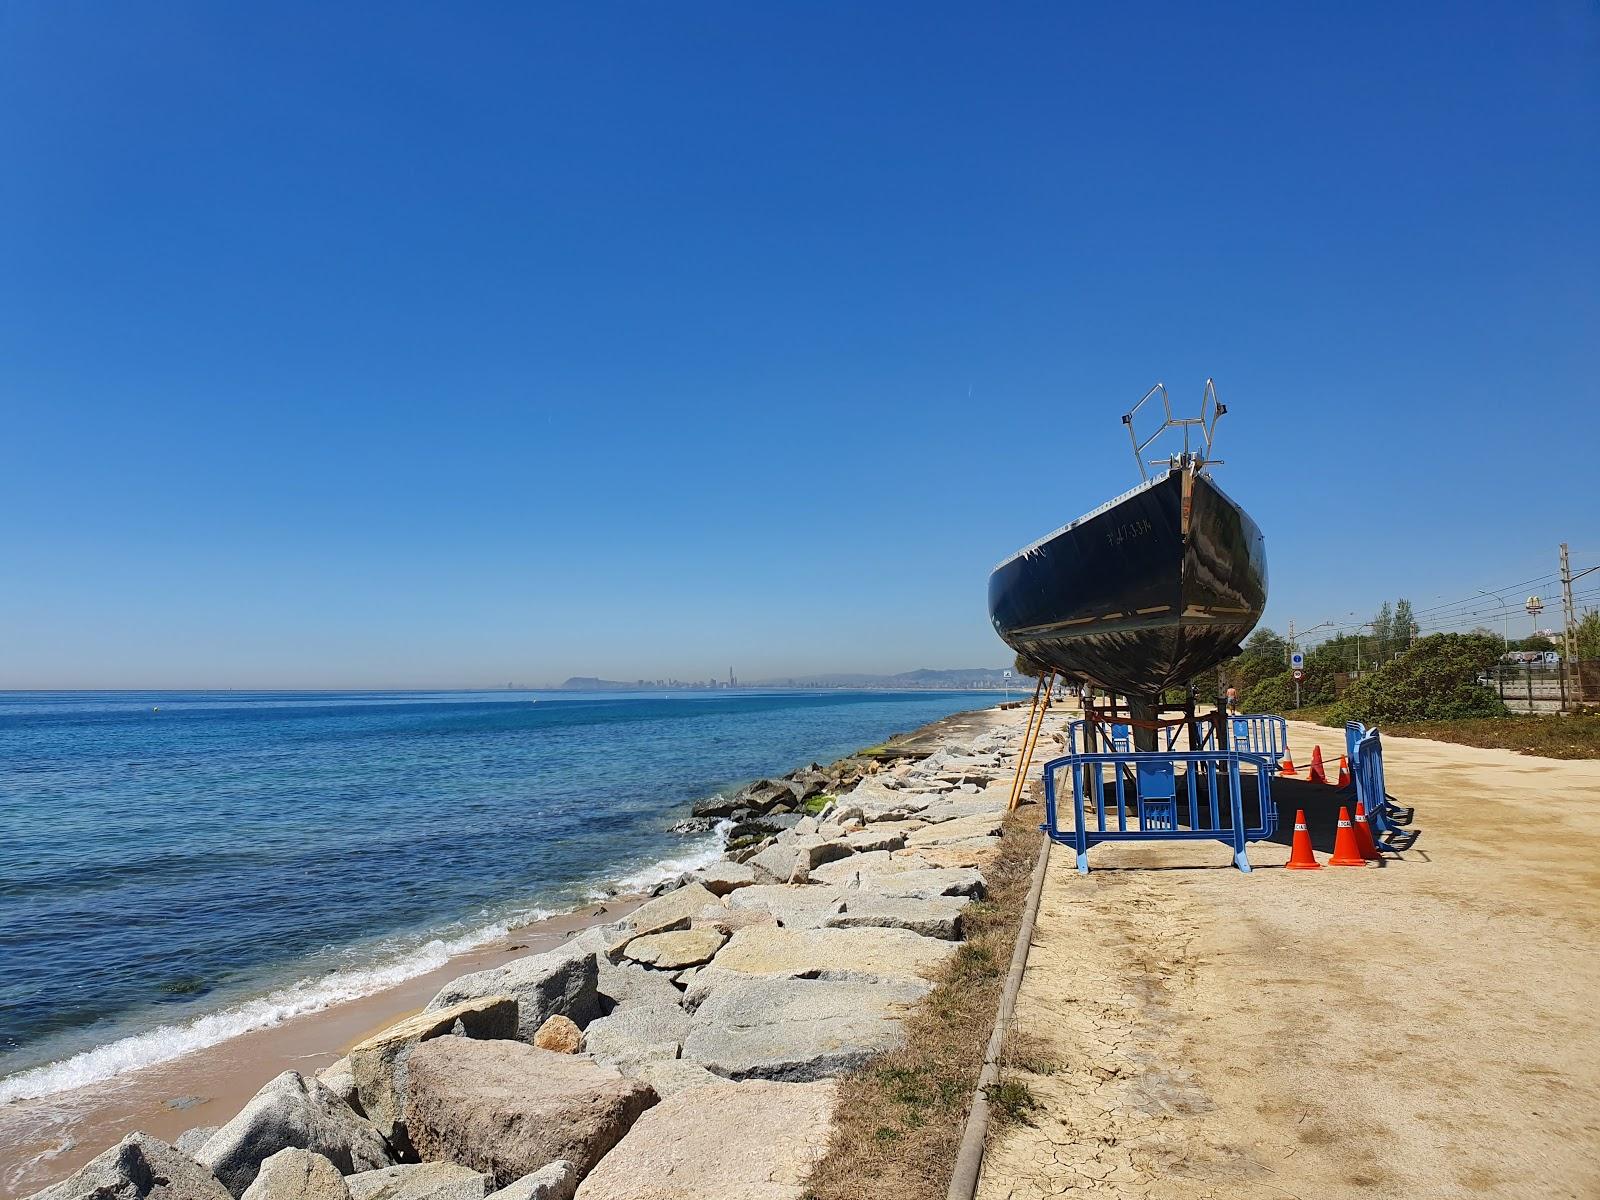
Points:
[(370, 347)]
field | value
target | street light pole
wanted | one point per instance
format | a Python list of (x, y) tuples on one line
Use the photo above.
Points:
[(1505, 611)]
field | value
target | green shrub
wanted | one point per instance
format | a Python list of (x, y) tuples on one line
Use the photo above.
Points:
[(1274, 694), (1436, 680)]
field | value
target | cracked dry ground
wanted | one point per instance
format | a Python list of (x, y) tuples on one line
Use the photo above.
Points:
[(1427, 1029)]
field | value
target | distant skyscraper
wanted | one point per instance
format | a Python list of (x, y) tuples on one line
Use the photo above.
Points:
[(730, 676)]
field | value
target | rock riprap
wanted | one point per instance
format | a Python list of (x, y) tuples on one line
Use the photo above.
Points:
[(830, 953), (750, 1141), (378, 1065), (665, 913), (297, 1175), (553, 1181), (798, 1030), (559, 1034), (139, 1167), (827, 907), (643, 1033), (292, 1112), (564, 981), (419, 1181), (676, 950), (506, 1108)]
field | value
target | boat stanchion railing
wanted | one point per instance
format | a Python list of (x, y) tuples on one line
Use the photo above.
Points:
[(1205, 426), (1182, 795)]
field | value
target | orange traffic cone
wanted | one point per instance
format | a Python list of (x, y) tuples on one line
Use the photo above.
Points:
[(1301, 858), (1344, 771), (1316, 774), (1346, 850), (1288, 764), (1369, 848)]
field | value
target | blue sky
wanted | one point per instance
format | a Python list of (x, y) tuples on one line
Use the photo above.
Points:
[(401, 344)]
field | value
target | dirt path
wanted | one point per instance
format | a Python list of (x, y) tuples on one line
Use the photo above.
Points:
[(1428, 1029)]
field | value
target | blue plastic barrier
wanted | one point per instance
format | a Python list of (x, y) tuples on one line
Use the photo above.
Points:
[(1386, 818), (1354, 731), (1121, 734), (1260, 733), (1210, 792), (1208, 735)]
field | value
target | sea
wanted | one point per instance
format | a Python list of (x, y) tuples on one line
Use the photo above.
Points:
[(179, 868)]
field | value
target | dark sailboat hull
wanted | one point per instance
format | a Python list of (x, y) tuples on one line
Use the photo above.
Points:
[(1142, 594)]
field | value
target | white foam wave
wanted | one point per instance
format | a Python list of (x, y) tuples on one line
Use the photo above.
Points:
[(664, 870), (167, 1042)]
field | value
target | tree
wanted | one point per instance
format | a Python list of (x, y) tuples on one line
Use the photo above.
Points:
[(1587, 634), (1264, 655), (1026, 668), (1383, 631), (1436, 680), (1537, 642), (1404, 627)]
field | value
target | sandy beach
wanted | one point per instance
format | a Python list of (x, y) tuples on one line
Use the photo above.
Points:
[(1423, 1029), (47, 1139)]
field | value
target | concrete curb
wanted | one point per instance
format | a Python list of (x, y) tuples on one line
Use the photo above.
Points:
[(969, 1158)]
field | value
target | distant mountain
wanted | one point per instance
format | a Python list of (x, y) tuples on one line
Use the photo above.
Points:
[(922, 677), (588, 683)]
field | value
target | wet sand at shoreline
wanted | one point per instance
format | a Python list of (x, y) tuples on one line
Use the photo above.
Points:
[(46, 1139)]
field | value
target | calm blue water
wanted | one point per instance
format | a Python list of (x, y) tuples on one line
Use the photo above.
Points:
[(177, 868)]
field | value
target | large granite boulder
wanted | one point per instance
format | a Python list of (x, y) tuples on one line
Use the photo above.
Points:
[(668, 1076), (792, 857), (677, 949), (880, 802), (719, 807), (292, 1112), (750, 1141), (506, 1109), (622, 982), (553, 1181), (625, 984), (562, 981), (723, 877), (420, 1181), (860, 866), (955, 810), (975, 852), (339, 1079), (190, 1140), (378, 1064), (902, 875), (297, 1175), (875, 837), (825, 907), (139, 1167), (665, 913), (559, 1034), (893, 954), (779, 1027), (642, 1033), (980, 825)]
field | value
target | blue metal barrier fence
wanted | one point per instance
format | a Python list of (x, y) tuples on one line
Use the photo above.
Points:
[(1146, 787)]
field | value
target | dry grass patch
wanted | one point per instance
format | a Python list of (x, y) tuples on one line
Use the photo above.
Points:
[(899, 1119), (1576, 736)]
